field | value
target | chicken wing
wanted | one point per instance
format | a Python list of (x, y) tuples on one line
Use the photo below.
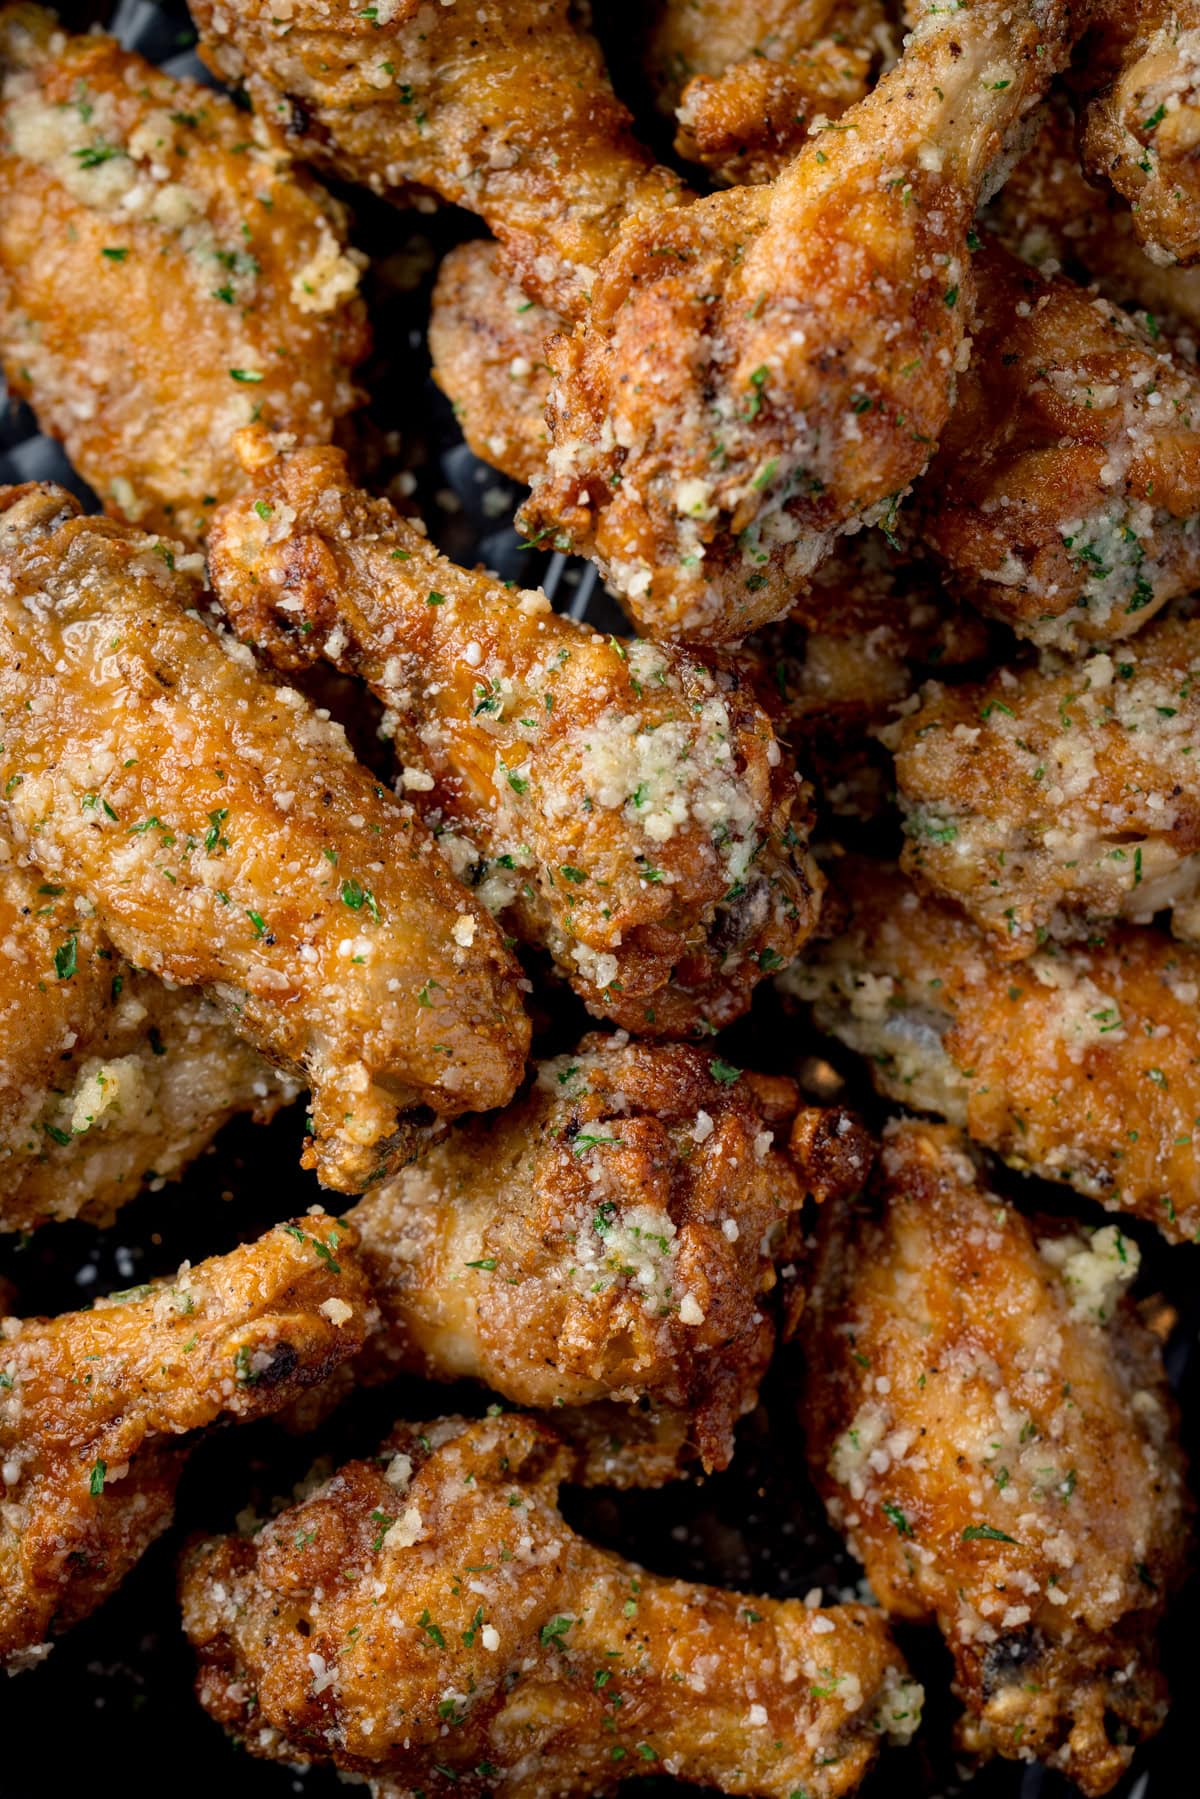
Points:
[(108, 1079), (1078, 1066), (427, 1618), (1050, 799), (164, 277), (765, 368), (97, 1407), (506, 110), (623, 804), (229, 841), (612, 1235), (991, 1426)]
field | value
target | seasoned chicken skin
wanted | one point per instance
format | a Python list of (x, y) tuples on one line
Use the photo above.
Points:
[(1079, 1065), (97, 1408), (623, 804), (437, 1584), (506, 110), (228, 840), (108, 1079), (1048, 800), (765, 368), (164, 276), (990, 1425), (614, 1234)]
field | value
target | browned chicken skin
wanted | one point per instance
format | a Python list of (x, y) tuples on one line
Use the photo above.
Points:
[(623, 804), (991, 1426), (164, 277), (1079, 1065), (438, 1582), (228, 839), (96, 1408)]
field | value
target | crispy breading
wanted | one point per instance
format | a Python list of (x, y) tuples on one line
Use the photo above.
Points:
[(1078, 1066), (164, 276), (92, 1459), (506, 110), (438, 1584), (765, 368), (107, 1077), (991, 1426), (1050, 799), (623, 804), (229, 841)]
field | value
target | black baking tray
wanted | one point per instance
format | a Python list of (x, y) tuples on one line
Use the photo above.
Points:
[(111, 1711)]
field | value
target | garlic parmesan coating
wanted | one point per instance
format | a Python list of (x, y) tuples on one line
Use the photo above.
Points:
[(108, 1079), (612, 1235), (1079, 1065), (991, 1427), (1048, 800), (621, 803), (229, 841), (427, 1620), (506, 110), (1065, 498), (765, 368), (97, 1408), (164, 275)]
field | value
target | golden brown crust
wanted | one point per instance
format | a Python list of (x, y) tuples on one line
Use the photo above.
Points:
[(625, 805), (164, 277), (991, 1425), (96, 1407), (438, 1582), (229, 840)]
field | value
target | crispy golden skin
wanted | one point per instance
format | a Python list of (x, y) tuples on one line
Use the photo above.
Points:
[(613, 1235), (438, 1583), (229, 841), (108, 1079), (505, 110), (1047, 800), (1065, 497), (1079, 1065), (765, 368), (991, 1426), (621, 803), (96, 1408), (1139, 79), (153, 251)]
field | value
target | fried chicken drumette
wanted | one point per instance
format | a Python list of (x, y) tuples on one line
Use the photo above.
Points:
[(97, 1408), (507, 111), (427, 1619), (763, 369), (622, 803), (1046, 800), (108, 1079), (229, 841), (164, 277), (614, 1234), (1078, 1066), (990, 1424)]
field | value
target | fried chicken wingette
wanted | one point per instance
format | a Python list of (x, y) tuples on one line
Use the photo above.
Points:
[(164, 277), (229, 841), (108, 1078), (426, 1619), (96, 1408), (506, 110), (621, 803), (1080, 1065), (990, 1424), (763, 369), (612, 1235), (1048, 800)]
